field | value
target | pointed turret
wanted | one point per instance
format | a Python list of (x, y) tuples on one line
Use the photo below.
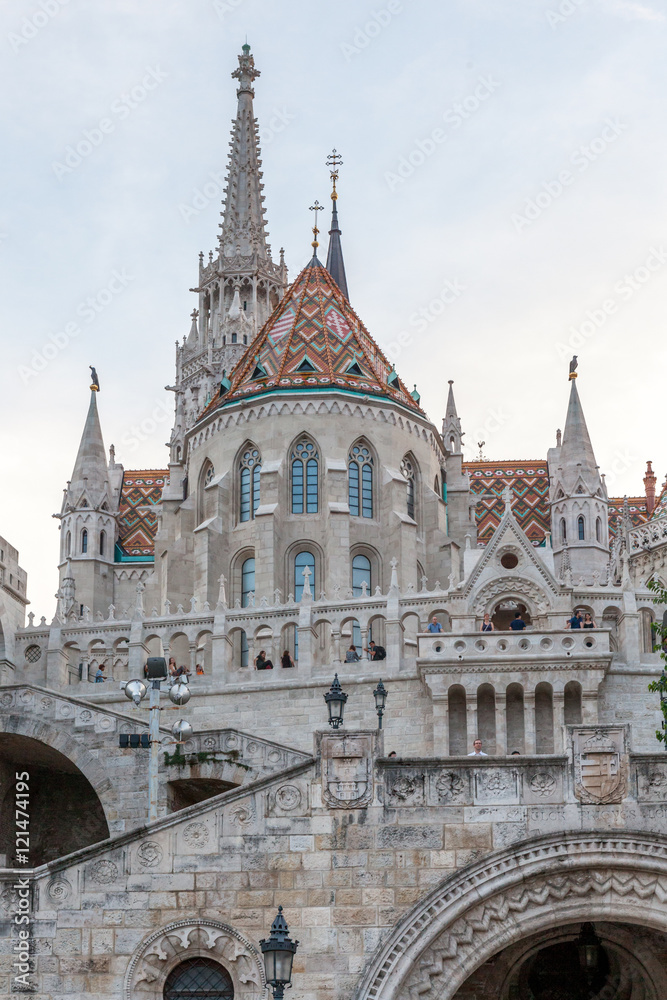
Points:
[(578, 498), (335, 263), (451, 425), (88, 521)]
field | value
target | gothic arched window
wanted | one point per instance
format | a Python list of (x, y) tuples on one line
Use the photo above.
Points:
[(361, 573), (199, 979), (563, 530), (581, 528), (360, 482), (598, 529), (84, 541), (301, 561), (103, 539), (305, 473), (250, 467), (247, 581), (408, 471), (69, 543)]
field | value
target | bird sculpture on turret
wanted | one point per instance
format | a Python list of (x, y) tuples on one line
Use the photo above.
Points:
[(573, 367), (94, 380)]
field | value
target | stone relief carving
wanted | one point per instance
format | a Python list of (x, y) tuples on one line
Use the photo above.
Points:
[(600, 764), (452, 788), (542, 783), (150, 965), (150, 854), (510, 585), (103, 872), (59, 889), (496, 786), (405, 789), (347, 771), (196, 834), (288, 797)]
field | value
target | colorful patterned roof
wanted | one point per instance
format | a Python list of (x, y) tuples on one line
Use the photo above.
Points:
[(636, 506), (140, 492), (660, 503), (315, 340), (529, 482)]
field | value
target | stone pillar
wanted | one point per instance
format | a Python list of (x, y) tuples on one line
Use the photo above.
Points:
[(440, 729), (471, 719), (559, 721), (56, 662), (393, 633), (501, 723), (193, 657), (589, 708), (137, 652), (530, 745), (335, 643), (364, 641)]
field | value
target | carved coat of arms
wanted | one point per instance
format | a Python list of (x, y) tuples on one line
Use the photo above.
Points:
[(600, 767), (347, 771)]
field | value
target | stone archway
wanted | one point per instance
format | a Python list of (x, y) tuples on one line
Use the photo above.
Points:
[(548, 882)]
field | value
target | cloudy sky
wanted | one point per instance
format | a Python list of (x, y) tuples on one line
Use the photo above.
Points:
[(502, 201)]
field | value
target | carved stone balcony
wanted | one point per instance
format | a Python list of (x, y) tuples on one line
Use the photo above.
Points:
[(500, 651)]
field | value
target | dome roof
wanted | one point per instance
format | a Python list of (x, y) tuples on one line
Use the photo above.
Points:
[(314, 340)]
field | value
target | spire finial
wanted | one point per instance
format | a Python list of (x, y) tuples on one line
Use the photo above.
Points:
[(315, 208), (573, 368), (94, 380), (334, 161)]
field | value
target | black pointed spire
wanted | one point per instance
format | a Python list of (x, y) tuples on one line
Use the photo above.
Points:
[(335, 264)]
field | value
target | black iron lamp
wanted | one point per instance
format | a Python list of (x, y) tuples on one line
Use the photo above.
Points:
[(380, 695), (278, 953), (335, 699), (588, 946)]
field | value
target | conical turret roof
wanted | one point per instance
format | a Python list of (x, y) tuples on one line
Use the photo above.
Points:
[(91, 463), (335, 263), (577, 459), (314, 340)]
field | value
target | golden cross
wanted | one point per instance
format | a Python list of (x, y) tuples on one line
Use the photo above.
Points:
[(334, 161), (315, 208)]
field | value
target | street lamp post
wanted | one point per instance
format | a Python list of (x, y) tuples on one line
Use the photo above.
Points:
[(278, 951), (380, 695), (179, 694), (335, 699)]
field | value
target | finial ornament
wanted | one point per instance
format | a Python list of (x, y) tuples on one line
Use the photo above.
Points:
[(334, 161), (315, 208), (94, 380), (573, 368)]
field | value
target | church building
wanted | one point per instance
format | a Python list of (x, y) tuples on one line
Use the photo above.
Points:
[(353, 605)]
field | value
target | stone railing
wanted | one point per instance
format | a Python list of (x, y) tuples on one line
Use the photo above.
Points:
[(497, 647), (649, 536)]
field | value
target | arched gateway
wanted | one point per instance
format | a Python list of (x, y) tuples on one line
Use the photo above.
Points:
[(520, 893)]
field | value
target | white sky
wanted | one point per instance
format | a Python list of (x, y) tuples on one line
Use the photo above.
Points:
[(332, 75)]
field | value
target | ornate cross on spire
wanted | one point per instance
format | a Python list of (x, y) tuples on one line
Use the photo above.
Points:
[(334, 161), (315, 208)]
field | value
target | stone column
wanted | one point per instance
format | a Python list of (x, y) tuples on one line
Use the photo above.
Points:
[(137, 652), (335, 643), (559, 721), (589, 708), (501, 722), (56, 662), (440, 729), (364, 641), (529, 722), (471, 719), (193, 658)]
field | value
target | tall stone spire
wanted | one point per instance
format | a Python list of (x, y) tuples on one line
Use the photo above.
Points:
[(239, 286), (451, 425), (90, 468), (578, 499), (335, 264)]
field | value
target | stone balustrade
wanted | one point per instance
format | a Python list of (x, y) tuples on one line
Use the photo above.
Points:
[(485, 648), (648, 536)]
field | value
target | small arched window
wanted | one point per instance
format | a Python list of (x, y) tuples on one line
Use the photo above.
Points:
[(247, 581), (103, 539), (408, 471), (305, 473), (598, 529), (68, 546), (301, 561), (361, 573), (250, 468), (563, 530), (360, 472), (199, 979), (581, 529), (84, 541)]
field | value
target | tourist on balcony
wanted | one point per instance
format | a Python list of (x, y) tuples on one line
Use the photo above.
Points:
[(261, 662), (487, 624), (517, 624), (172, 666), (588, 621), (199, 670), (434, 625), (286, 660), (99, 675), (351, 655), (576, 621), (376, 652), (477, 749)]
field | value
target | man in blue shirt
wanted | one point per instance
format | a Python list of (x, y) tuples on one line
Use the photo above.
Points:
[(518, 623), (575, 621), (434, 625)]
